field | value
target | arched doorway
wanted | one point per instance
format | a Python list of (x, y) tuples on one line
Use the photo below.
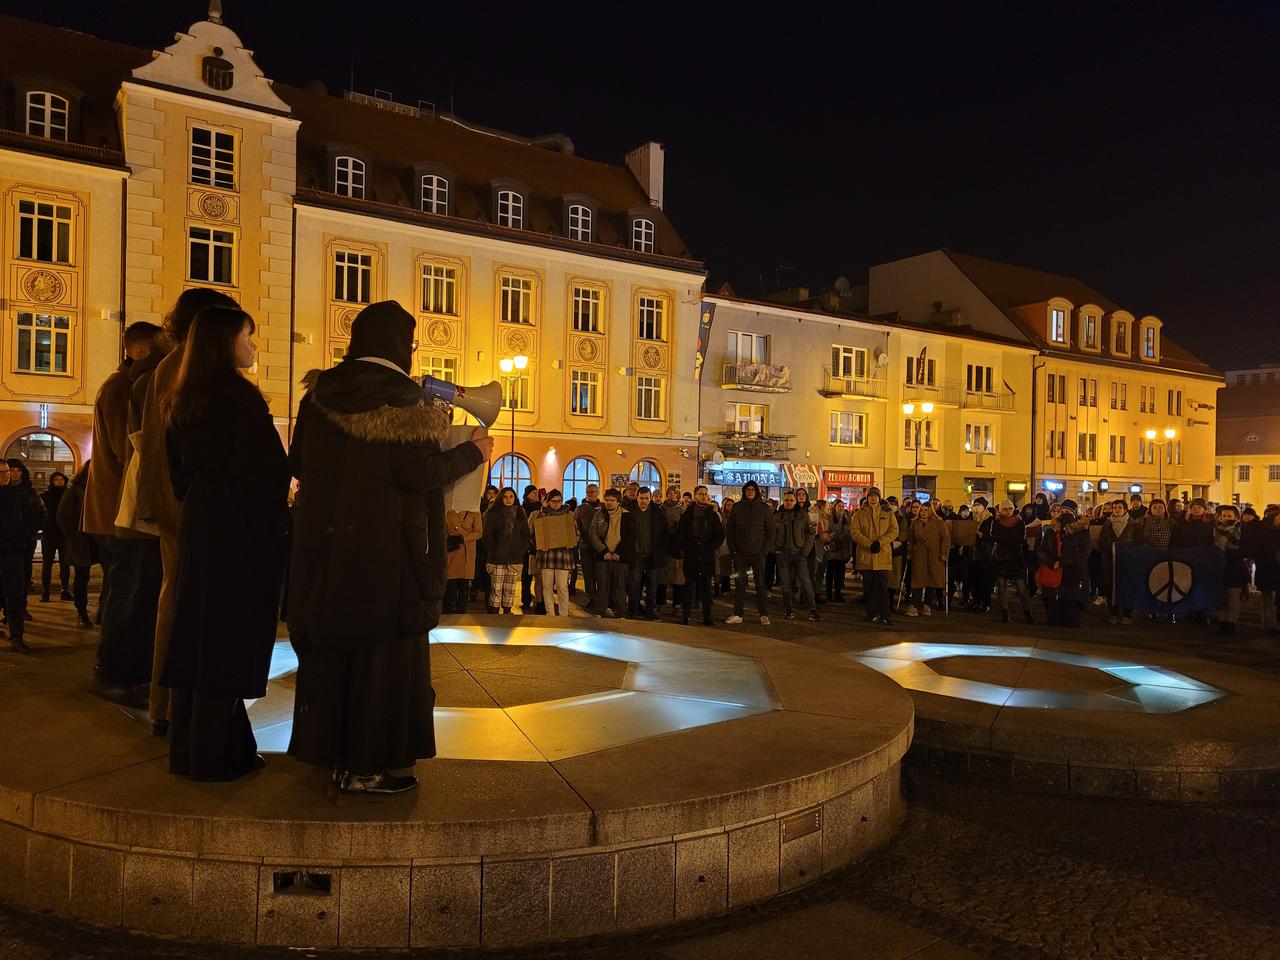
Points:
[(43, 453), (511, 470), (648, 474)]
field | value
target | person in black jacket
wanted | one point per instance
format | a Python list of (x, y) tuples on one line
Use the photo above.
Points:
[(506, 542), (749, 534), (229, 471), (51, 542), (368, 556), (18, 524), (1008, 536), (80, 549), (20, 477), (612, 535), (1065, 546), (648, 555), (699, 533)]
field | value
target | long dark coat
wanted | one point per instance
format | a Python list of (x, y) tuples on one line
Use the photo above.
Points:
[(698, 543), (78, 547), (1009, 542), (1076, 546), (368, 565), (229, 471)]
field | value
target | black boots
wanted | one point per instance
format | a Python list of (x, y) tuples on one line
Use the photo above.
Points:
[(381, 784)]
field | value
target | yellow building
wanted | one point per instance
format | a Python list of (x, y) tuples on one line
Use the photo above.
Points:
[(1116, 407), (1247, 471), (129, 176)]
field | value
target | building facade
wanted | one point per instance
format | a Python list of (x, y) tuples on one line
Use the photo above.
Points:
[(130, 176), (1247, 469)]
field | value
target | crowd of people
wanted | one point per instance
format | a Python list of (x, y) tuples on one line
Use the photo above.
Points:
[(208, 530)]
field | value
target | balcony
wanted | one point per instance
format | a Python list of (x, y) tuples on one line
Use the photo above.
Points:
[(855, 388), (755, 446), (757, 377), (947, 393), (993, 402)]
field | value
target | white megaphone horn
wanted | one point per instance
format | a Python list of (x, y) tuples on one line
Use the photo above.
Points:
[(483, 402)]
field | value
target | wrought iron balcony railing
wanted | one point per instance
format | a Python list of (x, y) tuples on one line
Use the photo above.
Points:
[(755, 446), (759, 377)]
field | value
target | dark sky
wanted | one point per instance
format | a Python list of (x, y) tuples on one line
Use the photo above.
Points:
[(1133, 145)]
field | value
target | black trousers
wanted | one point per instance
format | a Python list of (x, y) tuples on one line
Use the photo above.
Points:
[(48, 547), (611, 582), (835, 579), (13, 577), (80, 590), (697, 587), (642, 578), (756, 564), (210, 738), (456, 594), (875, 584), (129, 622)]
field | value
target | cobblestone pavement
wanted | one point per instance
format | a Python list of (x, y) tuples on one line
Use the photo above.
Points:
[(976, 871)]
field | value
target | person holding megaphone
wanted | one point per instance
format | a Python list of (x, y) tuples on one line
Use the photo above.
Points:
[(368, 564)]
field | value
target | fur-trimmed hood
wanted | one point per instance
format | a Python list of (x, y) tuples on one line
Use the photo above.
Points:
[(420, 422), (1080, 523)]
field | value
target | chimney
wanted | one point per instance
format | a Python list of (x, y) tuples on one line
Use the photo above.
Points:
[(646, 163)]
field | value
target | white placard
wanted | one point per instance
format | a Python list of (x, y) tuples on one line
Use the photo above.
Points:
[(465, 492)]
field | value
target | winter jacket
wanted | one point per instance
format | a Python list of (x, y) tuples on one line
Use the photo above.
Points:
[(156, 501), (655, 522), (464, 526), (18, 522), (50, 500), (699, 534), (582, 517), (1108, 539), (1193, 533), (794, 537), (1071, 546), (930, 544), (1009, 544), (1154, 532), (599, 529), (839, 538), (110, 445), (868, 526), (78, 547), (1227, 537), (1263, 547), (503, 546), (749, 531)]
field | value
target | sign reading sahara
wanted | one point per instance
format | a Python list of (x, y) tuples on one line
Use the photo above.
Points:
[(1168, 581)]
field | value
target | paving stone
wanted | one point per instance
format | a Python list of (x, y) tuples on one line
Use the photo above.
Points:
[(646, 886), (157, 894), (515, 904), (702, 876), (374, 907), (582, 896), (754, 862), (444, 906)]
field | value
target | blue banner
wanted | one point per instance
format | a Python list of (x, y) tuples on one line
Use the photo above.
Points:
[(1168, 581)]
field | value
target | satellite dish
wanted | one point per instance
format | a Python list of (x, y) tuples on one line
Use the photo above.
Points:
[(882, 358), (718, 457), (842, 285)]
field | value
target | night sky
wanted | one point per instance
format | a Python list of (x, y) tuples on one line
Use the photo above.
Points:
[(1135, 146)]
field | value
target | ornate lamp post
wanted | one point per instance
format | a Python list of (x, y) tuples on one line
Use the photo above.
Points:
[(909, 409), (1169, 434), (510, 367)]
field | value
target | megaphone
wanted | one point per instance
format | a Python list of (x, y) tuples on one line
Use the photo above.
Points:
[(484, 402)]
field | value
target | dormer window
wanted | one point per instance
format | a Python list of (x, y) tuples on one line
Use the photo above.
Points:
[(1057, 325), (435, 194), (1150, 343), (580, 223), (643, 234), (348, 177), (1122, 337), (47, 115), (510, 209), (1089, 330)]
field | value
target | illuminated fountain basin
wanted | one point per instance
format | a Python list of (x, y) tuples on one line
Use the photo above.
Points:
[(1086, 718), (589, 783)]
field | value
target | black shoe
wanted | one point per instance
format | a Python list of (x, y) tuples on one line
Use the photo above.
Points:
[(135, 697), (83, 621), (708, 623), (66, 595), (160, 728), (19, 645), (1004, 616), (1026, 614), (788, 615), (814, 615), (44, 598), (685, 621), (381, 784)]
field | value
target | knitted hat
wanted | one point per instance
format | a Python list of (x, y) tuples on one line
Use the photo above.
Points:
[(1005, 505), (1070, 505), (873, 491)]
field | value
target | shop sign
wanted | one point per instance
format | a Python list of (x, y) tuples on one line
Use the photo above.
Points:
[(673, 478), (1054, 486), (734, 473), (619, 480), (848, 478), (801, 474), (1016, 486)]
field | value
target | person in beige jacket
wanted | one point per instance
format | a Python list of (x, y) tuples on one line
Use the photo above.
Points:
[(462, 529), (930, 544), (873, 528), (156, 503)]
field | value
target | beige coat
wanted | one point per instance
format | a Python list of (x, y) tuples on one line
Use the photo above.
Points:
[(467, 525), (930, 543), (867, 526), (110, 448), (156, 501)]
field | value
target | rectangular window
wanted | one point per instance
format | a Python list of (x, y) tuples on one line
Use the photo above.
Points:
[(47, 115), (442, 368), (848, 361), (1244, 471), (652, 319), (517, 300), (979, 379), (1050, 390), (213, 158), (1142, 450), (44, 343), (748, 347), (44, 231), (1149, 342), (1122, 337), (746, 417), (510, 209), (352, 276), (1217, 473), (1124, 396), (579, 222), (1088, 392), (913, 434), (1058, 444), (1175, 403), (337, 353), (1114, 449), (649, 405), (584, 395), (439, 289), (1057, 325), (586, 309), (1273, 473), (517, 388), (1142, 399), (1087, 446), (920, 373), (1115, 395), (848, 429), (435, 194), (1090, 331), (978, 438), (212, 255), (642, 235)]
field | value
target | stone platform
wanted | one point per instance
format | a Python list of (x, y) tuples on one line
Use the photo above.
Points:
[(1082, 717), (593, 777)]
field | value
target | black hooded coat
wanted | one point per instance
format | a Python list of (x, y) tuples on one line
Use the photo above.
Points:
[(368, 564)]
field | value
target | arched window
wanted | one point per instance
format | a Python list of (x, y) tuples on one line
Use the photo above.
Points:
[(647, 474), (511, 471), (642, 235), (510, 209), (47, 115), (348, 177), (579, 222), (435, 194), (577, 475), (43, 453)]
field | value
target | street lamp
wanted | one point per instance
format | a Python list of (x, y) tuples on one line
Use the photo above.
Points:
[(510, 367), (1169, 434), (909, 409)]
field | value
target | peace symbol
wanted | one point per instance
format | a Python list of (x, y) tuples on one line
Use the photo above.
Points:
[(1170, 581)]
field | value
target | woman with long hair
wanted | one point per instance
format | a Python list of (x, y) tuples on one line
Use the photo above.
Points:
[(506, 541), (229, 472)]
